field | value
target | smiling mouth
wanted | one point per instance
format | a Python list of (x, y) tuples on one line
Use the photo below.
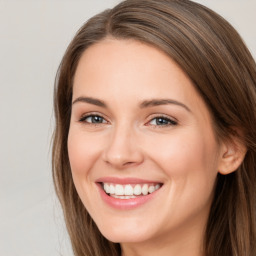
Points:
[(129, 191)]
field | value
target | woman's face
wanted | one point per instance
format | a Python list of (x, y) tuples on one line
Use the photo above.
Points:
[(141, 145)]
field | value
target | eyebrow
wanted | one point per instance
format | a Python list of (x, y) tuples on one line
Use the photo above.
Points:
[(158, 102), (143, 104), (90, 100)]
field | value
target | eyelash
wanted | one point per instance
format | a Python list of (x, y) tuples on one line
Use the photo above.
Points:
[(83, 119), (168, 121)]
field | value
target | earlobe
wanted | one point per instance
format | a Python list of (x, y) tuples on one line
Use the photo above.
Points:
[(232, 155)]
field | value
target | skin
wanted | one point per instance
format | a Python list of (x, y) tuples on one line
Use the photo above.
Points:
[(130, 141)]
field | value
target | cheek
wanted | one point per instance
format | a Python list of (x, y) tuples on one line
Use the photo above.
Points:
[(190, 165), (83, 152), (185, 155)]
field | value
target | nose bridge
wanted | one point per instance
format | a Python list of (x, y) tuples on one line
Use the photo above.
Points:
[(122, 149)]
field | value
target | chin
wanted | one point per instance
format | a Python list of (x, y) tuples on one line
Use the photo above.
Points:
[(125, 235)]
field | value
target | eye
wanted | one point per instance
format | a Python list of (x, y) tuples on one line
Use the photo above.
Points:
[(93, 119), (162, 121)]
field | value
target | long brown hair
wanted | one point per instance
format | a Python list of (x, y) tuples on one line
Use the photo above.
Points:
[(223, 71)]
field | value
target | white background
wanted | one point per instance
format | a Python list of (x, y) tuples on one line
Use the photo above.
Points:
[(33, 37)]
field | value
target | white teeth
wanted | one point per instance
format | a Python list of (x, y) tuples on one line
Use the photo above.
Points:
[(129, 191), (151, 189), (106, 188), (119, 190), (145, 189), (111, 189), (137, 190)]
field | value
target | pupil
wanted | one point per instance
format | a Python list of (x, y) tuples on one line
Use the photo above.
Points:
[(161, 121), (97, 119)]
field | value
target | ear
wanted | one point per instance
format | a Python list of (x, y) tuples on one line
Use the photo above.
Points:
[(232, 155)]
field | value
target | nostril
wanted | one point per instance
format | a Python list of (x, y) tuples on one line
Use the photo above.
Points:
[(129, 163)]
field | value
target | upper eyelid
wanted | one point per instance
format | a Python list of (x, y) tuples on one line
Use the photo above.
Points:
[(86, 116), (159, 115), (92, 114), (171, 122)]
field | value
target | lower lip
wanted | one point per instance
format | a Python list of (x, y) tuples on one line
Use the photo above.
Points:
[(125, 204)]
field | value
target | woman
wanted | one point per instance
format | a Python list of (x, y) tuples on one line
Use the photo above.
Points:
[(154, 148)]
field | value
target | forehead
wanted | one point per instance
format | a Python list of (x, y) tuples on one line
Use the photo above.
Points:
[(121, 64)]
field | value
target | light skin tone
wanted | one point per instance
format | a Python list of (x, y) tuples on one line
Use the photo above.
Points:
[(135, 114)]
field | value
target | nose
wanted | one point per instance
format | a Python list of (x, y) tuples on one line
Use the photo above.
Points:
[(123, 149)]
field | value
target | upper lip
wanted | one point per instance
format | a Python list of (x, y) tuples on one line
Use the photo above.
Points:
[(129, 180)]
